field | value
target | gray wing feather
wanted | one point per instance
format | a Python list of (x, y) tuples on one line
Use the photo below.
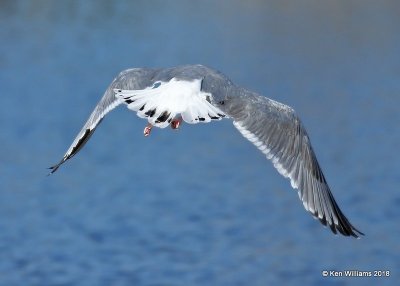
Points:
[(276, 130), (137, 78), (107, 103)]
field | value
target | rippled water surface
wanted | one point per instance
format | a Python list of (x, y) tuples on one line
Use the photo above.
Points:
[(200, 206)]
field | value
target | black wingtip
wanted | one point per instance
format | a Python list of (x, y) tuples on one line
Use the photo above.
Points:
[(351, 230), (81, 142), (344, 227), (55, 167), (358, 235)]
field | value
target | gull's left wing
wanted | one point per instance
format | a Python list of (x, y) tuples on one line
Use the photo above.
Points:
[(276, 130)]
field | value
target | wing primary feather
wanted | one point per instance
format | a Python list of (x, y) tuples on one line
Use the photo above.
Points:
[(81, 142), (105, 105), (277, 131)]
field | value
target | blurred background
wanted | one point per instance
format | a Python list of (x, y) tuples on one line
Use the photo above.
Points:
[(201, 206)]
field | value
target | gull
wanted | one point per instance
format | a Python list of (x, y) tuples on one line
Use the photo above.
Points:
[(198, 94)]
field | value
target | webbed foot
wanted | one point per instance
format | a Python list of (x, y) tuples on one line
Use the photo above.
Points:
[(147, 130), (176, 123)]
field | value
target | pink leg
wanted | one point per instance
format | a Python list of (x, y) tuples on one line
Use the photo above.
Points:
[(147, 130), (176, 123)]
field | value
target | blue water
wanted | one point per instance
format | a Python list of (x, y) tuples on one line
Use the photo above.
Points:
[(200, 206)]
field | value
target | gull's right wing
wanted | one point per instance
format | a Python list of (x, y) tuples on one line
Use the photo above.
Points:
[(107, 103)]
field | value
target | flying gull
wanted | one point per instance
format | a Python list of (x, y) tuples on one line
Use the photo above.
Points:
[(198, 94)]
